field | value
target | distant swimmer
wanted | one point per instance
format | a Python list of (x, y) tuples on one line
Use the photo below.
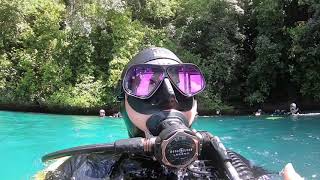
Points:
[(117, 115), (258, 113), (102, 113), (276, 112), (293, 109), (279, 112), (218, 112)]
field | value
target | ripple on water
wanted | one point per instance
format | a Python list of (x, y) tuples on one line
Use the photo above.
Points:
[(225, 138), (289, 138), (314, 176)]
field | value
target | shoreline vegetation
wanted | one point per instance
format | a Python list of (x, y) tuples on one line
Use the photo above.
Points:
[(305, 107), (66, 56)]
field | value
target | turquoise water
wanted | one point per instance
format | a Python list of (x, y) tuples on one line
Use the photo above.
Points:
[(25, 137)]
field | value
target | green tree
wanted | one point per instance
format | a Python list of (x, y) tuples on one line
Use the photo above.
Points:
[(305, 52), (209, 30)]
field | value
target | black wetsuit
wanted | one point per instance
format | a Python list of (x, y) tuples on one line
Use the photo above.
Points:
[(126, 166)]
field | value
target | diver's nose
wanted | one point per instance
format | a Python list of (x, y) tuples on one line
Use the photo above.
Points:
[(168, 87), (165, 97), (171, 97)]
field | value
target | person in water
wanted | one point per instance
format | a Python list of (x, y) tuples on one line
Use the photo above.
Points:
[(117, 115), (293, 109), (258, 112), (102, 113), (162, 99), (218, 112)]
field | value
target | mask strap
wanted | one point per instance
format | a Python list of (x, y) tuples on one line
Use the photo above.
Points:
[(120, 91)]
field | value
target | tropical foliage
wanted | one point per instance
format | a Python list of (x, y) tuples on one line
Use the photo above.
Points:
[(71, 53)]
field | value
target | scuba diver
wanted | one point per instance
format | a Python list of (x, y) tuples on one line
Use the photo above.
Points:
[(158, 105)]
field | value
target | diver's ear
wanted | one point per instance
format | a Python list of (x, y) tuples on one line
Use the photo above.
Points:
[(119, 91)]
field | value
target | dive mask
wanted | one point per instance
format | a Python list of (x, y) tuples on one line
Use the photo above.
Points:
[(143, 80)]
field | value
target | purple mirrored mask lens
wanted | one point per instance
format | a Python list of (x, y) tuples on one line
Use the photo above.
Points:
[(187, 78), (141, 81)]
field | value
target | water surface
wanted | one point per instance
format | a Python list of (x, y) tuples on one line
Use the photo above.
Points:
[(25, 137)]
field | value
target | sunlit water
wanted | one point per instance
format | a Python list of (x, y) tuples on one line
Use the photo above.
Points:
[(25, 137)]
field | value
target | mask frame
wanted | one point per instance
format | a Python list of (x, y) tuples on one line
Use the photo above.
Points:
[(190, 75)]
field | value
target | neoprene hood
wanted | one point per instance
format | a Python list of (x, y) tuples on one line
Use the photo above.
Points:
[(143, 106)]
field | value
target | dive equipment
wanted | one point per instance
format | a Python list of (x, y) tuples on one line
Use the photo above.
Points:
[(176, 145), (166, 97), (156, 90), (151, 54), (171, 142), (143, 80), (161, 100)]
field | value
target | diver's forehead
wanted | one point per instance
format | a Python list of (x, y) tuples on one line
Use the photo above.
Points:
[(162, 62)]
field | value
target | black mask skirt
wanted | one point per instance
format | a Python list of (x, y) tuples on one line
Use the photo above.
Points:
[(161, 101)]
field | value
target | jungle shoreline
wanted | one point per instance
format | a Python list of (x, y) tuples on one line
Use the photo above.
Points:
[(238, 109)]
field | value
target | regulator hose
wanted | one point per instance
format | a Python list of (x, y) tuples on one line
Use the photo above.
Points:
[(214, 150), (132, 145), (242, 168)]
